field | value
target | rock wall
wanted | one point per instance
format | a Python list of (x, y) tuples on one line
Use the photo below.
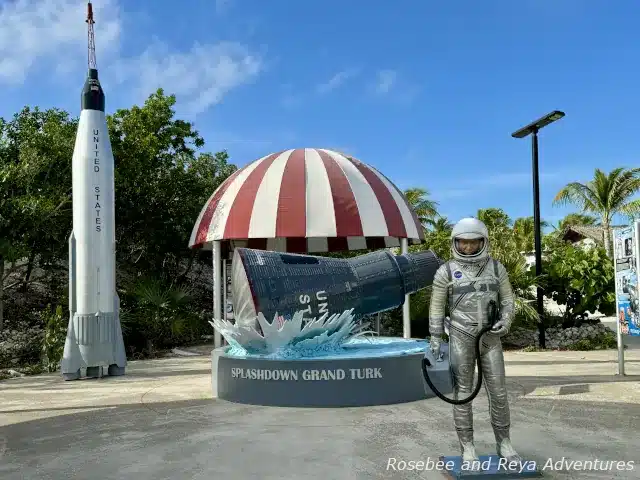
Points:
[(555, 337)]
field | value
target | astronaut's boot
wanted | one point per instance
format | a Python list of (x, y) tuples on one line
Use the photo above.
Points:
[(504, 448), (468, 449)]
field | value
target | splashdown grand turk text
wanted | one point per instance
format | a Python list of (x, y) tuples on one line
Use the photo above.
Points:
[(306, 375)]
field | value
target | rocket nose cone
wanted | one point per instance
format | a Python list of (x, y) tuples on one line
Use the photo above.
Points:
[(92, 97)]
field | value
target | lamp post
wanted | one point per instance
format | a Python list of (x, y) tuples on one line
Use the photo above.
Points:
[(533, 129)]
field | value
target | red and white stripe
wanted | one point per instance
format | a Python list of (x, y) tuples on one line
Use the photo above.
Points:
[(307, 200)]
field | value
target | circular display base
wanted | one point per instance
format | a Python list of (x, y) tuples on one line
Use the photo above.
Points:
[(324, 382)]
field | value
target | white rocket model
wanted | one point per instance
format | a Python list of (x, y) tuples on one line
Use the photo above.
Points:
[(94, 337)]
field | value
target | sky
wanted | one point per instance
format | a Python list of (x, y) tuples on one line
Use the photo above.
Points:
[(427, 92)]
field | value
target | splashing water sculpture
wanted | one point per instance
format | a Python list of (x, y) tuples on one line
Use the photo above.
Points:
[(295, 338), (301, 359), (327, 336)]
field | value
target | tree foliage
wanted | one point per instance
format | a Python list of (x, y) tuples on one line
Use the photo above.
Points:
[(607, 195), (161, 184), (524, 230), (426, 209), (438, 238), (163, 177), (162, 180), (35, 199), (582, 279)]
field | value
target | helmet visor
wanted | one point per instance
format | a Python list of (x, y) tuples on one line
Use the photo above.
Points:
[(468, 247)]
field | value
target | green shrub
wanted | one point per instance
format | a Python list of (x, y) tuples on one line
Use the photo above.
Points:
[(390, 322), (55, 334), (582, 279), (157, 315), (600, 342)]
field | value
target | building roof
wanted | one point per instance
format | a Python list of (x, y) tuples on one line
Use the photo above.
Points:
[(576, 233), (307, 200)]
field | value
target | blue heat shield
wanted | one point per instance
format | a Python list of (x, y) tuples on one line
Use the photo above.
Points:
[(271, 282)]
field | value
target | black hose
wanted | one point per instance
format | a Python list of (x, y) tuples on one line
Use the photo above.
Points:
[(493, 314)]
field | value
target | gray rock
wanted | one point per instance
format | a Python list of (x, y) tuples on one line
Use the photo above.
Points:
[(555, 337)]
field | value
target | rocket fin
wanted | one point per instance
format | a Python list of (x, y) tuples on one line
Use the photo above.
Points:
[(119, 355), (71, 358)]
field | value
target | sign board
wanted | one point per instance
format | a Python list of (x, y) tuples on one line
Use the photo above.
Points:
[(228, 295), (626, 242), (324, 381)]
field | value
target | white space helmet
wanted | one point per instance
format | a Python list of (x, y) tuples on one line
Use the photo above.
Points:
[(469, 229)]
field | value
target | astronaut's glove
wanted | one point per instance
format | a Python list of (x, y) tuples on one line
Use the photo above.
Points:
[(434, 346), (501, 328)]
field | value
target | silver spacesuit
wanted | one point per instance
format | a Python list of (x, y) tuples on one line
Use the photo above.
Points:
[(469, 282)]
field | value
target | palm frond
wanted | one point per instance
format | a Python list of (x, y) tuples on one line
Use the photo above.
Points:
[(579, 194), (606, 195), (425, 208), (631, 209), (151, 292)]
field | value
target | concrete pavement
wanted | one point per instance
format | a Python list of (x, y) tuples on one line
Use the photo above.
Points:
[(159, 421)]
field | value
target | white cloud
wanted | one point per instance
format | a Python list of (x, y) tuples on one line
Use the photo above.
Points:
[(199, 78), (390, 85), (385, 81), (51, 33), (337, 80)]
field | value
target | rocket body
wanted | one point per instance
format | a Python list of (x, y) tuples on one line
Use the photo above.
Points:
[(94, 337), (93, 215)]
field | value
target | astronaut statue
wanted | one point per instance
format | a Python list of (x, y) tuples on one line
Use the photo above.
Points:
[(469, 282)]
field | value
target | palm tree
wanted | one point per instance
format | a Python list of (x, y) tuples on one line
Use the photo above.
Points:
[(606, 195), (442, 224), (425, 208), (524, 231), (494, 218)]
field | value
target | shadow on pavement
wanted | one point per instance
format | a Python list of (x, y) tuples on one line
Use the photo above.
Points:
[(530, 383)]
